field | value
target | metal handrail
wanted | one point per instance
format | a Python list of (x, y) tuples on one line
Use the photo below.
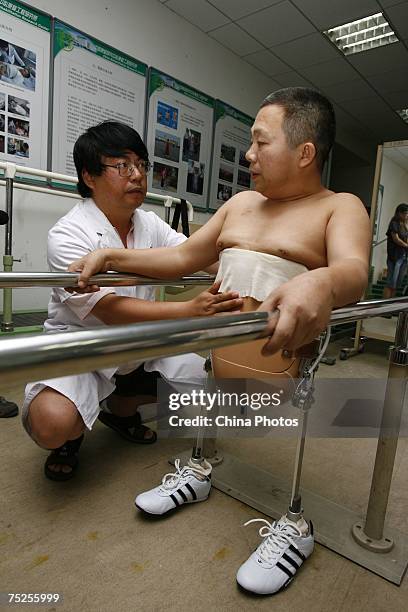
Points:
[(31, 357), (110, 279)]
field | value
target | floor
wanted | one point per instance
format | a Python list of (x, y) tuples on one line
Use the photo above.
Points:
[(85, 540)]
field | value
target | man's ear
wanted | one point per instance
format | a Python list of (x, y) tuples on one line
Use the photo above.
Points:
[(88, 179), (307, 154)]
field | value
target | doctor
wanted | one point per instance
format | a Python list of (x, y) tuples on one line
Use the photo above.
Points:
[(112, 165)]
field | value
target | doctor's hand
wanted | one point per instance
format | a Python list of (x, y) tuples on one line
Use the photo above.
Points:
[(211, 302), (90, 264), (304, 304)]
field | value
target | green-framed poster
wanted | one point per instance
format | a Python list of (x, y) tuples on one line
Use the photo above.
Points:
[(93, 82), (230, 169), (179, 138)]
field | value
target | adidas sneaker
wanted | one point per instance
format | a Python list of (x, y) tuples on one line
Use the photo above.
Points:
[(190, 484), (273, 565)]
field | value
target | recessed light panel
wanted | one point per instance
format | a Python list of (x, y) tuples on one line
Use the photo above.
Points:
[(362, 34), (403, 113)]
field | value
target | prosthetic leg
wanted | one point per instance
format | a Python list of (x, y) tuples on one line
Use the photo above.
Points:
[(246, 361), (289, 541)]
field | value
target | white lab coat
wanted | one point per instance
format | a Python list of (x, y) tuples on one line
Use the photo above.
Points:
[(82, 230)]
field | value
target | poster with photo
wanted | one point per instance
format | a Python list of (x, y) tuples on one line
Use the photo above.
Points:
[(179, 136), (25, 39), (92, 83), (230, 169)]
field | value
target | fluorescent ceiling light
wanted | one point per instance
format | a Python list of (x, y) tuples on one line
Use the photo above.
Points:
[(403, 113), (362, 34)]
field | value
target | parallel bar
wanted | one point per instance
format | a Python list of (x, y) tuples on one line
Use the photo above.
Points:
[(36, 172), (368, 309), (111, 279), (43, 355), (355, 312), (47, 190), (33, 357)]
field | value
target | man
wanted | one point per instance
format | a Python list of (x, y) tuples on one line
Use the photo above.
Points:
[(112, 163), (290, 217)]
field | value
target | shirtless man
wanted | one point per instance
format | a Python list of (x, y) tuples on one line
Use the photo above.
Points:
[(290, 216)]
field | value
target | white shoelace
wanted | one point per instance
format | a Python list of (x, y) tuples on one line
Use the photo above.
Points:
[(172, 479), (277, 537)]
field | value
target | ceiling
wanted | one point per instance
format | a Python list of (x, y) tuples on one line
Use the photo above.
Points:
[(283, 40)]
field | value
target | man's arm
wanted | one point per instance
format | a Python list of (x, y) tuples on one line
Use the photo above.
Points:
[(117, 310), (196, 253), (305, 302)]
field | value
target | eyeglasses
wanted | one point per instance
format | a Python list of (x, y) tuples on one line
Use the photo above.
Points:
[(127, 170)]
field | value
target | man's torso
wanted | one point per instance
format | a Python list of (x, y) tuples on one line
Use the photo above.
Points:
[(294, 230)]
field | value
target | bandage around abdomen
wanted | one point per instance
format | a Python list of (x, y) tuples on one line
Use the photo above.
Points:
[(254, 275)]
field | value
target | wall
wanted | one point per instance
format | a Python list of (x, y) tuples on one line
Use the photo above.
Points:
[(352, 173)]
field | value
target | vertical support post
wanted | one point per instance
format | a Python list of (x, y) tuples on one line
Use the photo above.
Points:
[(167, 205), (371, 534), (7, 323), (205, 446)]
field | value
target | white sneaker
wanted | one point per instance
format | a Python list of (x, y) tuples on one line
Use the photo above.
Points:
[(190, 484), (274, 563)]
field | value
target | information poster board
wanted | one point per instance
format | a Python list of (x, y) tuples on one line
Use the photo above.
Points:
[(179, 138), (230, 169), (25, 41), (92, 83)]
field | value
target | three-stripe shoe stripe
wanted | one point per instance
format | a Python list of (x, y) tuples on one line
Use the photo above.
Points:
[(190, 488), (293, 563), (184, 497), (297, 552)]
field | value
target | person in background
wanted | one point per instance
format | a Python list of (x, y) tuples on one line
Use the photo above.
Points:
[(397, 250)]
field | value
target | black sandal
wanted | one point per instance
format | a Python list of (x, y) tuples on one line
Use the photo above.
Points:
[(67, 454), (130, 428)]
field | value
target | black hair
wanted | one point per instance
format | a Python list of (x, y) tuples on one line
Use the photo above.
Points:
[(108, 139), (308, 116), (401, 208)]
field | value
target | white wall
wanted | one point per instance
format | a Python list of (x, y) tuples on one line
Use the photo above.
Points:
[(394, 178)]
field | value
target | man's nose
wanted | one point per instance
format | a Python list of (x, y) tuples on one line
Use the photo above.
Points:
[(250, 154), (137, 175)]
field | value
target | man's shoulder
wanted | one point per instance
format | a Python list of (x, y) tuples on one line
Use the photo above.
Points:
[(150, 221), (342, 199), (71, 215), (146, 216), (343, 196), (244, 197), (73, 221)]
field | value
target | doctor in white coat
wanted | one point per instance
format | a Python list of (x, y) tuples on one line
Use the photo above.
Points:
[(112, 164)]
